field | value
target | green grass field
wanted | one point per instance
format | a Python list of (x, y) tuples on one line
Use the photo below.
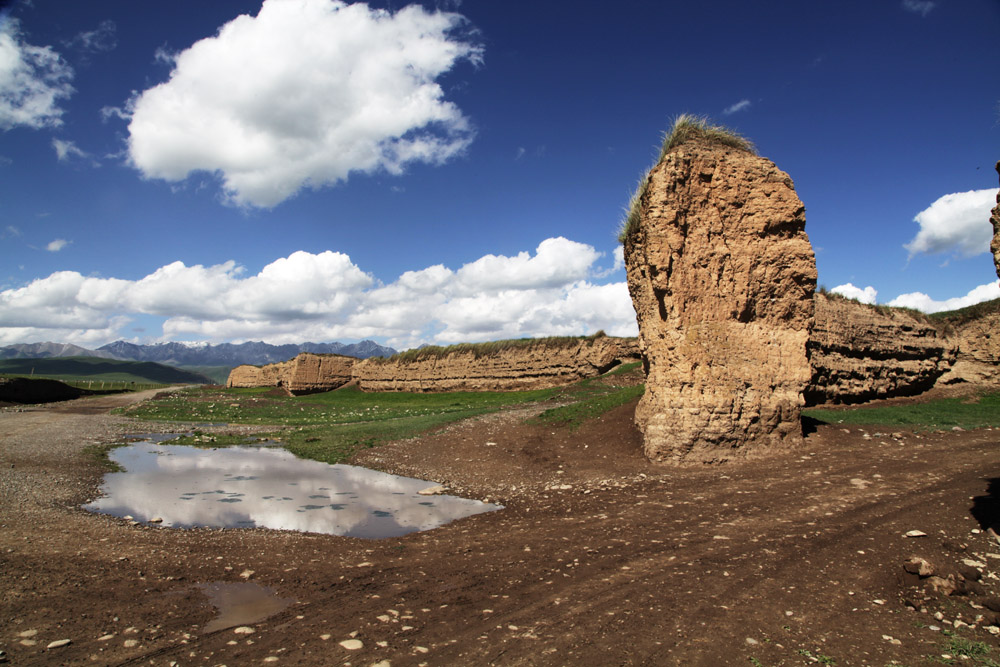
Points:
[(331, 426), (968, 413)]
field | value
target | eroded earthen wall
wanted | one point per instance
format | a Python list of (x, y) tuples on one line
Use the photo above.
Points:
[(307, 373), (859, 353), (722, 277), (523, 367)]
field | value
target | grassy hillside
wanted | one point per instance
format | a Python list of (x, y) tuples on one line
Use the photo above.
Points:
[(69, 369), (963, 315), (218, 374)]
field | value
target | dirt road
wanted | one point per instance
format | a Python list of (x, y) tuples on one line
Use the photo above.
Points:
[(599, 558)]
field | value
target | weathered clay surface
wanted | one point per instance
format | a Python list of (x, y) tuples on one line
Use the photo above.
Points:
[(995, 219), (305, 374), (859, 353), (722, 277), (247, 376), (977, 342), (539, 365)]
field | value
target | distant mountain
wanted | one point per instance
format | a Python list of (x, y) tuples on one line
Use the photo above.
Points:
[(229, 354), (186, 354), (48, 351)]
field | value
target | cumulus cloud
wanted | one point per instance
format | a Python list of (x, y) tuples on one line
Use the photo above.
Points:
[(57, 244), (325, 296), (866, 295), (736, 108), (924, 303), (922, 7), (33, 81), (958, 222), (303, 94)]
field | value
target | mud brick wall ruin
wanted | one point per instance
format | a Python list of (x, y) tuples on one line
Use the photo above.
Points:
[(537, 364), (722, 277), (305, 374), (859, 352)]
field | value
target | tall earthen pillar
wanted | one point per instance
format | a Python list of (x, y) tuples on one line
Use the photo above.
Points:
[(722, 276)]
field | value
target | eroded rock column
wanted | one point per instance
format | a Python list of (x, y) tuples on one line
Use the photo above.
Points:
[(722, 276)]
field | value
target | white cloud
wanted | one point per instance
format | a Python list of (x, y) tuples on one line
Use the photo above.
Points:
[(557, 261), (57, 244), (922, 7), (33, 80), (326, 296), (101, 38), (66, 151), (924, 303), (735, 108), (958, 222), (302, 95), (866, 295)]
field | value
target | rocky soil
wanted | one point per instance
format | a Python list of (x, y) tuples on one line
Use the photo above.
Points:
[(859, 548)]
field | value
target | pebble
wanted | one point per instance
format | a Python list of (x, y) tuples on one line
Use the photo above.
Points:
[(325, 637), (246, 574), (130, 643), (59, 643), (352, 644), (27, 633), (271, 658), (916, 533), (243, 630), (105, 638)]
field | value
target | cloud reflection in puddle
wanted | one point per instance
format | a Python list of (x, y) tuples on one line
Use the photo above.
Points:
[(269, 487)]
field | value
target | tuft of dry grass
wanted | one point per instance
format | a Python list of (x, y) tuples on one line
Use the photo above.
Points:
[(688, 127), (685, 128)]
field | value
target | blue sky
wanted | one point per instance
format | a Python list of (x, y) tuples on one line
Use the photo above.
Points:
[(455, 171)]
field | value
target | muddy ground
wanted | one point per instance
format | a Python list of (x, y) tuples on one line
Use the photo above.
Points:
[(599, 558)]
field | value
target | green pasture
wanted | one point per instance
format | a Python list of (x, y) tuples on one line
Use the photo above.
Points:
[(946, 413), (331, 426)]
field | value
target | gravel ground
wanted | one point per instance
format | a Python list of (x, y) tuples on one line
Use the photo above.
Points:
[(599, 557)]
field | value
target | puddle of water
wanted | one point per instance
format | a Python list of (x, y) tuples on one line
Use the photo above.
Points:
[(269, 487), (241, 604)]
